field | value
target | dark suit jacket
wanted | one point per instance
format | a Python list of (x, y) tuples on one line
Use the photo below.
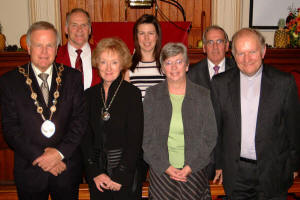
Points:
[(200, 131), (22, 125), (277, 139), (64, 58), (123, 130), (199, 74)]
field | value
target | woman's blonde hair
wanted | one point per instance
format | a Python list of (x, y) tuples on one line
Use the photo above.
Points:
[(114, 45)]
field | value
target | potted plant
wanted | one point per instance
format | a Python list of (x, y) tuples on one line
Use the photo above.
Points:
[(2, 39), (293, 27)]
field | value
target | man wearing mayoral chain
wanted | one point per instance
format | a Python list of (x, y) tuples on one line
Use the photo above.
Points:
[(43, 120)]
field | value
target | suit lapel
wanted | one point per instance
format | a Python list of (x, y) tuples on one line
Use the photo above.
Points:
[(265, 99), (67, 57), (235, 93), (228, 64), (206, 74), (53, 84), (63, 56), (166, 108), (27, 91), (94, 107), (55, 70)]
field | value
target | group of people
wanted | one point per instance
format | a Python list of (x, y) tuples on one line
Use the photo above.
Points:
[(233, 121)]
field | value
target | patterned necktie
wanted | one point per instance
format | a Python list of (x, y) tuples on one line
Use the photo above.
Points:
[(216, 68), (44, 86), (78, 63)]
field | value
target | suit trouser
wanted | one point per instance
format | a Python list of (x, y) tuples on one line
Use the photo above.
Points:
[(123, 194), (69, 191), (247, 184)]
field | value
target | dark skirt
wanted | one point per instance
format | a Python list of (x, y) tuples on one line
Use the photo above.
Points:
[(162, 187)]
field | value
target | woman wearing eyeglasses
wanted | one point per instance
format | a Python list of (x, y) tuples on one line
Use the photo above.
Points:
[(179, 131)]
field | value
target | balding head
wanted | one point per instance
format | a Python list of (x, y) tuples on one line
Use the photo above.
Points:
[(245, 32)]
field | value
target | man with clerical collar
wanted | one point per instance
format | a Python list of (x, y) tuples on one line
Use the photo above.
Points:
[(43, 120), (257, 112), (215, 45), (77, 52)]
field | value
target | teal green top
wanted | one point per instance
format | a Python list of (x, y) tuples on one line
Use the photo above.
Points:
[(176, 133)]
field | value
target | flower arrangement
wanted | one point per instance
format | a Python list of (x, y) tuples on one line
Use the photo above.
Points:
[(293, 26)]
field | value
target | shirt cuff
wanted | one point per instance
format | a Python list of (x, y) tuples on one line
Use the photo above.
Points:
[(61, 155)]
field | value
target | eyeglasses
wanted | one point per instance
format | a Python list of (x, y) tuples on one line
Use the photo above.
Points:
[(212, 42), (176, 62)]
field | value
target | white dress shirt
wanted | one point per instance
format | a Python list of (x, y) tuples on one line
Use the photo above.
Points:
[(37, 73), (49, 71), (250, 94), (86, 57), (211, 67)]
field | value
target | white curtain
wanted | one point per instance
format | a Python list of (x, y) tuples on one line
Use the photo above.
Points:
[(45, 10), (228, 15)]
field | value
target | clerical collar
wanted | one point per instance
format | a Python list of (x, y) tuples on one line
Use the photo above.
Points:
[(256, 75)]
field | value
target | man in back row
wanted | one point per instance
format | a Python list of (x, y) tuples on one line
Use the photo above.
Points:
[(216, 45), (77, 52), (257, 112)]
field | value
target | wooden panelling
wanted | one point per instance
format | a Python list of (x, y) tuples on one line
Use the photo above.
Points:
[(197, 11), (9, 59), (6, 166), (9, 192)]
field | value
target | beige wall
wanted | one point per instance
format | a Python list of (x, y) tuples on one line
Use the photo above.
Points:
[(14, 18), (269, 34)]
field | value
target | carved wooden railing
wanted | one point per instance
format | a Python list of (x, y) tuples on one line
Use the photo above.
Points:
[(8, 192)]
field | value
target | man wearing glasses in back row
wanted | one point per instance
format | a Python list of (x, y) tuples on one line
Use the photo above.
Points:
[(215, 45)]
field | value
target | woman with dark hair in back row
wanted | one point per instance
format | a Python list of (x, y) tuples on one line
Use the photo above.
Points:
[(145, 69)]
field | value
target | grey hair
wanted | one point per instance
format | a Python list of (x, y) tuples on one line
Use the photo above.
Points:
[(173, 49), (214, 27), (248, 31), (41, 25), (78, 10)]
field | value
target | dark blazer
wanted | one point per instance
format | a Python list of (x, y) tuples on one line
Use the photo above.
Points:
[(200, 131), (198, 73), (277, 139), (123, 130), (64, 58), (22, 125)]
